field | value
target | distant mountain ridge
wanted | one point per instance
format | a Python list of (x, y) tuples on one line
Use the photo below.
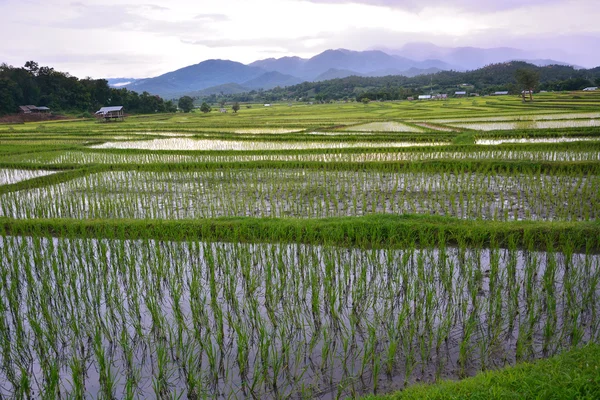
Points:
[(411, 60)]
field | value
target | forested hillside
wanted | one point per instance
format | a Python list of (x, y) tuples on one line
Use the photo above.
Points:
[(61, 92), (483, 81)]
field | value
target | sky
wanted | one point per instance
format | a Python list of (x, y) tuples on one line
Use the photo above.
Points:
[(145, 38)]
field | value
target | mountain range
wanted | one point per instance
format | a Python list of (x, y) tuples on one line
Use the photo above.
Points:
[(224, 76)]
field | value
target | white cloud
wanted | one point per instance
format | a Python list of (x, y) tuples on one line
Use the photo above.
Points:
[(134, 38)]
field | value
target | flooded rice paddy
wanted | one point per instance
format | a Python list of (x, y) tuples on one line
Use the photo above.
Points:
[(309, 194), (87, 157), (226, 145), (9, 176), (118, 318)]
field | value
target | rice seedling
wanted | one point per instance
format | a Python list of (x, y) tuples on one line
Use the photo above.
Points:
[(278, 328), (495, 126), (228, 145), (310, 194), (516, 154), (383, 127)]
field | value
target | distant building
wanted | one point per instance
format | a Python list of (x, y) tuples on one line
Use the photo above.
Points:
[(267, 105), (33, 109), (425, 97), (113, 113), (502, 93), (590, 89), (223, 110), (410, 98), (460, 94), (26, 109)]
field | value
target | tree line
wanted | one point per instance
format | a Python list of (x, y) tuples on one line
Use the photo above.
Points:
[(61, 92)]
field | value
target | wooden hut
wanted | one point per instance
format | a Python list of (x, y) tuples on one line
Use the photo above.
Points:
[(114, 113)]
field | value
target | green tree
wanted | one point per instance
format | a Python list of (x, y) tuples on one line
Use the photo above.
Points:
[(597, 81), (235, 107), (527, 79), (170, 106), (205, 108), (186, 103), (366, 100)]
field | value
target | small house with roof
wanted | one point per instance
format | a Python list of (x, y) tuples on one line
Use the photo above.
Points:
[(26, 109), (590, 89), (461, 93), (31, 109), (501, 93), (113, 113)]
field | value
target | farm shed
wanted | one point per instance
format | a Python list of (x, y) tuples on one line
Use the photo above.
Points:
[(503, 93), (460, 94), (111, 113), (590, 89), (27, 109), (425, 97), (44, 110)]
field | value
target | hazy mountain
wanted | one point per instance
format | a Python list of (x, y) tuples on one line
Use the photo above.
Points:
[(408, 73), (358, 62), (284, 65), (119, 82), (546, 62), (225, 89), (411, 60), (468, 58), (197, 77), (270, 80), (334, 73)]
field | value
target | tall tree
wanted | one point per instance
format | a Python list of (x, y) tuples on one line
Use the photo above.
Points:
[(235, 107), (528, 79), (186, 103), (205, 108)]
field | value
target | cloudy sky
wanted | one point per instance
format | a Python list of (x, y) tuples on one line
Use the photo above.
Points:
[(141, 38)]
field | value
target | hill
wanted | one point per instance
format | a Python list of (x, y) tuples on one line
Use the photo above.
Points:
[(197, 77), (494, 77), (425, 59)]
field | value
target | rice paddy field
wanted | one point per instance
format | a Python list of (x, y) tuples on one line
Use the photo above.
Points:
[(304, 251)]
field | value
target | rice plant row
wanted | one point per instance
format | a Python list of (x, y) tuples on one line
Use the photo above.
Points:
[(124, 319), (310, 194), (88, 157), (227, 145)]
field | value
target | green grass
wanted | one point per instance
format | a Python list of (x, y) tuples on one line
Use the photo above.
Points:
[(383, 231), (574, 374)]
